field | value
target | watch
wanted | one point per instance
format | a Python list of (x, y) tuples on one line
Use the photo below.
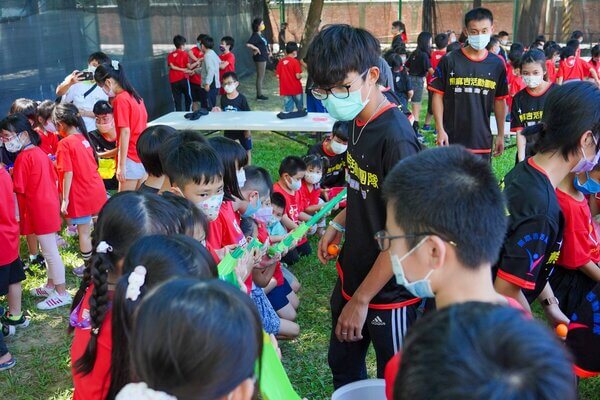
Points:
[(549, 301)]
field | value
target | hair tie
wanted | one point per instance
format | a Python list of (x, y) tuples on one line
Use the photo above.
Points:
[(95, 331), (141, 391), (115, 64), (135, 282), (103, 247)]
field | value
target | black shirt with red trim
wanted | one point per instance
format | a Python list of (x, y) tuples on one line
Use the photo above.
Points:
[(335, 173), (534, 237), (418, 63), (384, 141), (469, 89), (583, 338), (527, 109)]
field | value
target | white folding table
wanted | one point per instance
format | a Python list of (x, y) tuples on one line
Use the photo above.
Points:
[(249, 121)]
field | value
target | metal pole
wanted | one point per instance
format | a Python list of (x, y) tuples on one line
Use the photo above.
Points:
[(515, 20), (399, 10), (282, 11)]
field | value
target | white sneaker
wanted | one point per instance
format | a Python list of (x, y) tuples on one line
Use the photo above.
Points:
[(55, 300), (42, 291)]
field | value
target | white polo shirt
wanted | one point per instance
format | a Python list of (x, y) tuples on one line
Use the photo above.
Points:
[(75, 96)]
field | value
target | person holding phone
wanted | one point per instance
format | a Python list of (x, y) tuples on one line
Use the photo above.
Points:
[(79, 89)]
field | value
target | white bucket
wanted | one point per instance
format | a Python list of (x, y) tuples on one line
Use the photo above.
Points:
[(369, 389)]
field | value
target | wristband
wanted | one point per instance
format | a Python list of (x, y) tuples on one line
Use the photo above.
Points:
[(337, 227), (549, 301)]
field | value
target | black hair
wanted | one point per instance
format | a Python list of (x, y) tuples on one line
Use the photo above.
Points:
[(464, 184), (291, 165), (534, 56), (493, 41), (462, 38), (106, 71), (567, 52), (172, 144), (278, 200), (248, 226), (258, 178), (211, 319), (395, 62), (18, 123), (549, 43), (164, 258), (477, 350), (256, 22), (179, 41), (574, 43), (502, 33), (207, 41), (230, 74), (567, 115), (99, 57), (339, 49), (576, 35), (189, 216), (453, 46), (228, 41), (149, 145), (126, 217), (200, 36), (314, 161), (231, 153), (479, 14), (399, 25), (515, 53), (595, 53), (551, 51), (340, 130), (193, 162), (536, 44), (423, 42), (291, 47), (540, 38), (45, 109), (68, 114), (102, 107), (441, 41), (27, 107)]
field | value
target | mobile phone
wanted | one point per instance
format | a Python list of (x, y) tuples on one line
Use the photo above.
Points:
[(87, 76)]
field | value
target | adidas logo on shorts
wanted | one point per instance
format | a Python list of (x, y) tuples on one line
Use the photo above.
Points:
[(377, 321)]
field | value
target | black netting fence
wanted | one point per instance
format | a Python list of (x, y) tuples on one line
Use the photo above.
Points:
[(41, 41)]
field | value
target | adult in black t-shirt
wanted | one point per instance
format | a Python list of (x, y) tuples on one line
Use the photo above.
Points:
[(467, 86), (419, 65), (568, 142), (260, 54)]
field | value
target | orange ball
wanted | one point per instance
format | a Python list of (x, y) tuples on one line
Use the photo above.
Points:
[(562, 330), (333, 249)]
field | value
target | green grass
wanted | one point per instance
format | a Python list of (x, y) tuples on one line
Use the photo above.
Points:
[(42, 349)]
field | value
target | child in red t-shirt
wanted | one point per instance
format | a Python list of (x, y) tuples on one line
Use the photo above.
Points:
[(46, 128), (124, 219), (199, 98), (291, 173), (310, 191), (79, 182), (227, 59), (289, 72), (179, 72), (441, 43), (35, 183), (552, 54)]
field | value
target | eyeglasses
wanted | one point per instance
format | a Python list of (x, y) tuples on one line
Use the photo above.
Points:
[(6, 139), (384, 239), (339, 92)]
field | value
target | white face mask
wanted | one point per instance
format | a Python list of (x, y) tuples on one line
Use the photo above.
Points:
[(241, 177), (338, 148), (478, 42), (313, 177), (229, 88), (419, 288), (50, 127), (533, 81), (91, 68), (403, 59), (294, 184), (504, 42), (211, 206), (14, 145), (109, 92)]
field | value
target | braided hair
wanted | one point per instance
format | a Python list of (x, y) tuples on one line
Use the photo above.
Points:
[(125, 218)]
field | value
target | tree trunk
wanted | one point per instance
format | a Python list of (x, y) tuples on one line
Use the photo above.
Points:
[(530, 21), (312, 25), (268, 32), (476, 3)]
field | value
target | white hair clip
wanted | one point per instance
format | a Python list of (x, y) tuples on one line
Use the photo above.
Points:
[(141, 391), (115, 64), (103, 247), (135, 282)]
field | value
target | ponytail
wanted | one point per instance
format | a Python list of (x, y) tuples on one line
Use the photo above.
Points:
[(115, 71)]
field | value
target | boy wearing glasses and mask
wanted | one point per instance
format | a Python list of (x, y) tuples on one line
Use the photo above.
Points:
[(443, 252), (366, 304)]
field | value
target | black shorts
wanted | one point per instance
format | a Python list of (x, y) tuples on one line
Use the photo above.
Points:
[(278, 296), (239, 136), (10, 274), (570, 286), (198, 93), (583, 338)]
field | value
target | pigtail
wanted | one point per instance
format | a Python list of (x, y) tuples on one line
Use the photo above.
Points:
[(85, 283), (99, 304)]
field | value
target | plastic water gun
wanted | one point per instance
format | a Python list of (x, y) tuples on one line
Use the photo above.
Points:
[(274, 383), (301, 230), (226, 268)]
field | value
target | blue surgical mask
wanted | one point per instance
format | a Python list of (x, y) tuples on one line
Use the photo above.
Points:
[(590, 187), (478, 42), (346, 109), (252, 208), (420, 288)]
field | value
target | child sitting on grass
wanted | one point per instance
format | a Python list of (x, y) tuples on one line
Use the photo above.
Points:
[(277, 231)]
